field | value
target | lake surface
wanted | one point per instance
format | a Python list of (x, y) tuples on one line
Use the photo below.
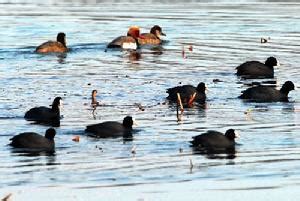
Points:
[(266, 165)]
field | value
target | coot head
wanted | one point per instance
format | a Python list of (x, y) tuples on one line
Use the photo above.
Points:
[(271, 62), (50, 133), (128, 122), (156, 30), (201, 87), (57, 103), (61, 37), (231, 135), (287, 87)]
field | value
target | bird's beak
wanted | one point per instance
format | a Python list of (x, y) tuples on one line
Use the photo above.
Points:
[(237, 134), (163, 34), (61, 104), (278, 64), (134, 122)]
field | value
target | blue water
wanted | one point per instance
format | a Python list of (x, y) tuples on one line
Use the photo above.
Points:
[(223, 35)]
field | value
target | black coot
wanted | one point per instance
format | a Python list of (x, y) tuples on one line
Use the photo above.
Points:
[(34, 141), (215, 141), (268, 93), (44, 114), (256, 69), (111, 128), (186, 93)]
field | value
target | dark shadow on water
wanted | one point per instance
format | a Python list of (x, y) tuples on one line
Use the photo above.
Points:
[(258, 83), (215, 153), (49, 123), (32, 152)]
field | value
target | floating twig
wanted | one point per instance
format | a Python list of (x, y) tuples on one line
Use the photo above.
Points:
[(7, 197), (192, 99), (133, 150), (179, 103), (183, 53), (264, 40), (139, 106), (191, 164), (76, 138)]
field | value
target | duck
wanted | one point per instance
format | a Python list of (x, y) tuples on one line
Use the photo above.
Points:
[(215, 141), (127, 42), (58, 46), (187, 94), (152, 38), (35, 141), (257, 70), (44, 114), (268, 93), (111, 128)]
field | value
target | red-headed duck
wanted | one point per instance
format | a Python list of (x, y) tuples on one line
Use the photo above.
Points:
[(127, 42), (152, 38), (58, 46)]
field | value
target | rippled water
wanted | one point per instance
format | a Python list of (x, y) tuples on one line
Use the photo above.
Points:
[(223, 35)]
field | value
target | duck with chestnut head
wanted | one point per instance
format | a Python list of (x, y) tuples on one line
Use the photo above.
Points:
[(127, 42)]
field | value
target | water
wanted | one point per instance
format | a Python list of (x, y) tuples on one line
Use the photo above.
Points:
[(223, 35)]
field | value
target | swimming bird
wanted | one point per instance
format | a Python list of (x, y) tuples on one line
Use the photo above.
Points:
[(256, 69), (58, 46), (111, 128), (215, 141), (44, 114), (152, 38), (127, 42), (34, 141), (268, 93), (94, 102), (188, 94)]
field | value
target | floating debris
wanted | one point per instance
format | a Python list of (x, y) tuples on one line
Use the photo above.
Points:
[(248, 111), (76, 138), (191, 100), (179, 103), (191, 164), (217, 80), (100, 148), (133, 150), (139, 105), (7, 197), (264, 40), (183, 53)]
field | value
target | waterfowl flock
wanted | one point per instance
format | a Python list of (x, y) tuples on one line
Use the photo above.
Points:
[(209, 142)]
